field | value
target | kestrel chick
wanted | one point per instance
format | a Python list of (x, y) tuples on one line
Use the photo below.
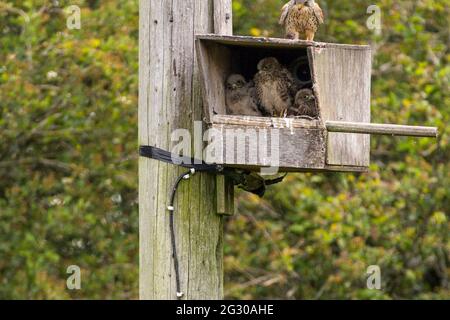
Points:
[(241, 97), (275, 87), (304, 105), (301, 18)]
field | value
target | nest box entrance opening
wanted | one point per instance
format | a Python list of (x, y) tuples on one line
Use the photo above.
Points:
[(220, 57), (244, 61), (339, 76)]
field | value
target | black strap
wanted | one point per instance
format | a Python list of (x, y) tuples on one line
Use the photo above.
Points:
[(201, 166), (185, 162)]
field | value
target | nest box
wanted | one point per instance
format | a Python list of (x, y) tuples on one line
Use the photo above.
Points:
[(340, 76)]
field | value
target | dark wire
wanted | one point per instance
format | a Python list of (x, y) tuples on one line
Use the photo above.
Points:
[(171, 208)]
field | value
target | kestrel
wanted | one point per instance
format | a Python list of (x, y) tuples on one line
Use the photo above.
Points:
[(304, 105), (241, 97), (275, 87), (301, 18)]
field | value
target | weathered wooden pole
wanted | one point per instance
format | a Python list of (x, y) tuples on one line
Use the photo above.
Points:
[(170, 99)]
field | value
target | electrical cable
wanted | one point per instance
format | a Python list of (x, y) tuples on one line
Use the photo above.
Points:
[(171, 208)]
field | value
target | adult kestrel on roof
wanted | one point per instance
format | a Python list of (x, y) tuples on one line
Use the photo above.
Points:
[(301, 18)]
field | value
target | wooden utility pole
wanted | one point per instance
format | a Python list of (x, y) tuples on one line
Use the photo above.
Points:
[(170, 99)]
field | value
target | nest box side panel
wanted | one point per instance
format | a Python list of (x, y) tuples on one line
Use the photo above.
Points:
[(342, 79), (299, 149), (215, 65)]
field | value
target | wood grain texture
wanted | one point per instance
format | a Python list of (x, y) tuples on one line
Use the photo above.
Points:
[(289, 149), (170, 98), (274, 42), (381, 129), (223, 25), (225, 196), (213, 76), (265, 122), (223, 17), (342, 82)]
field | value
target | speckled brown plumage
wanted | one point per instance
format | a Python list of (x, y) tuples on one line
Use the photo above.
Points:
[(301, 19), (305, 104), (241, 97), (275, 87)]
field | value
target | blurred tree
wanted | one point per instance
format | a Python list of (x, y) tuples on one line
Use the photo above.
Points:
[(315, 235), (67, 159)]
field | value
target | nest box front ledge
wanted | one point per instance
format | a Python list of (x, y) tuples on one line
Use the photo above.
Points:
[(255, 142)]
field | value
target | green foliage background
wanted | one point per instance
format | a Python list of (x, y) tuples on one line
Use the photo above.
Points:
[(68, 169)]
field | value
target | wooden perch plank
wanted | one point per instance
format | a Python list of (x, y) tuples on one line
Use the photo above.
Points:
[(382, 129), (263, 122)]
